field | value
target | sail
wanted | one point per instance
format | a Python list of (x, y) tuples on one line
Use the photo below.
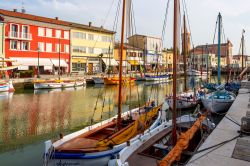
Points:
[(182, 144)]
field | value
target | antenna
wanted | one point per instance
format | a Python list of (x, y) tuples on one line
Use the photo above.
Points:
[(22, 8)]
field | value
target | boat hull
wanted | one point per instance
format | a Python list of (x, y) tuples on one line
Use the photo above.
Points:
[(98, 80), (217, 106), (160, 78), (57, 85), (182, 103), (7, 87), (89, 159), (115, 80)]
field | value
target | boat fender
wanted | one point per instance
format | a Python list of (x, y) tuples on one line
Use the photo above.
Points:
[(111, 146), (61, 135), (128, 143)]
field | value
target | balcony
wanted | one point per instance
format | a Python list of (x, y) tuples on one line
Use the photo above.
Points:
[(19, 35)]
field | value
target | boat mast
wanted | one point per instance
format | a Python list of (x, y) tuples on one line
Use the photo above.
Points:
[(120, 66), (175, 52), (202, 52), (228, 63), (219, 47), (109, 68), (185, 54), (242, 50), (207, 61)]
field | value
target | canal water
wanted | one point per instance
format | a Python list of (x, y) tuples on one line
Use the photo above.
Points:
[(28, 117)]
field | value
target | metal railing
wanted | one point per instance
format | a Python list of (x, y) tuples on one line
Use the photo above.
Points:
[(20, 35)]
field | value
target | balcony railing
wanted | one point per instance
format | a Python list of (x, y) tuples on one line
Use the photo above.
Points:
[(20, 35)]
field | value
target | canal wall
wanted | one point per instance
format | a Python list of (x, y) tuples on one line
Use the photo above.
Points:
[(226, 130)]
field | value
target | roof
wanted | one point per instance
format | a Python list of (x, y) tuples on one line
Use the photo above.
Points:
[(135, 35), (127, 46), (51, 21), (212, 48)]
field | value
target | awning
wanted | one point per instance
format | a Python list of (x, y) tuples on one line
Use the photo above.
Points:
[(23, 67), (48, 67), (135, 62), (8, 68), (110, 62), (56, 62), (125, 63), (78, 60), (32, 62)]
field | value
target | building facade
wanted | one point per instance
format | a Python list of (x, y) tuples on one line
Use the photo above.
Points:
[(30, 40), (89, 47), (167, 59), (133, 58), (152, 47), (226, 50), (2, 41)]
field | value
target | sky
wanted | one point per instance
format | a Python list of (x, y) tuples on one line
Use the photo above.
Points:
[(149, 16)]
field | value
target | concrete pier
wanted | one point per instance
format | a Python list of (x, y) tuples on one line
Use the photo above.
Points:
[(226, 130)]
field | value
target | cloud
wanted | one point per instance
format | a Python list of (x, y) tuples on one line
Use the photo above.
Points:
[(149, 15)]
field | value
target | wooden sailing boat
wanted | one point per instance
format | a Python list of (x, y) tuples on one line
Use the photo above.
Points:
[(159, 77), (221, 100), (96, 144), (186, 99), (165, 144)]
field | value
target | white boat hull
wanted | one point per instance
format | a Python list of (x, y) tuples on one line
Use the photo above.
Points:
[(44, 85), (47, 85), (217, 106)]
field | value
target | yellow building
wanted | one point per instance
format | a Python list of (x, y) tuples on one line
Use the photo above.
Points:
[(90, 47), (132, 57), (167, 59), (1, 40)]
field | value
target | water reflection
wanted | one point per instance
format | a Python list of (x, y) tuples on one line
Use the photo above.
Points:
[(33, 117)]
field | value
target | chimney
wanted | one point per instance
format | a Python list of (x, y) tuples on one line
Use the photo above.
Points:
[(90, 23), (23, 11), (14, 10), (101, 27), (56, 18)]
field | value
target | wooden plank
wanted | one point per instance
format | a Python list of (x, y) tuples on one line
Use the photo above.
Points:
[(242, 149)]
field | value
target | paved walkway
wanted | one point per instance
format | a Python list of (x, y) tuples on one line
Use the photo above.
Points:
[(225, 130)]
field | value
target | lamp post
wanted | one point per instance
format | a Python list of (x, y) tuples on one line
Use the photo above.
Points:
[(38, 72), (59, 68)]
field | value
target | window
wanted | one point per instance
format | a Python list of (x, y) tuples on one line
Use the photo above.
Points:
[(66, 35), (105, 51), (41, 46), (91, 50), (58, 33), (105, 39), (48, 32), (25, 46), (57, 47), (48, 47), (14, 30), (79, 49), (66, 48), (40, 31), (13, 45), (79, 35), (91, 37), (25, 31)]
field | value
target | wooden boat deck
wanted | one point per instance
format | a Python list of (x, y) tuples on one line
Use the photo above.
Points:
[(139, 159)]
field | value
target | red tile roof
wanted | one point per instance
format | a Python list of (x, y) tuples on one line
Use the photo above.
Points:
[(51, 21)]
